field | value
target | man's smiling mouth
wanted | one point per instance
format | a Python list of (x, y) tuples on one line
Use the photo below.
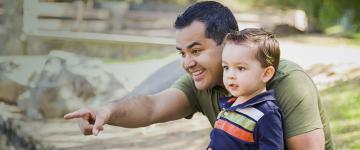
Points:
[(198, 75)]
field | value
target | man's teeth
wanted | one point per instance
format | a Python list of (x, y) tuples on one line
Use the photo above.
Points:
[(197, 72)]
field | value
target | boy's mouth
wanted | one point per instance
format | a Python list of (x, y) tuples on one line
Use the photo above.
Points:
[(232, 86)]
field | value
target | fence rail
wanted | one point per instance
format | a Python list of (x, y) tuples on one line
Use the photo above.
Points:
[(45, 19)]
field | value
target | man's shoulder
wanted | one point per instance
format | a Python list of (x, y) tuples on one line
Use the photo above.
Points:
[(285, 69), (287, 66), (186, 83)]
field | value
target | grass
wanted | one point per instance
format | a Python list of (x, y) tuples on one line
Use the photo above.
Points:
[(355, 39), (342, 102)]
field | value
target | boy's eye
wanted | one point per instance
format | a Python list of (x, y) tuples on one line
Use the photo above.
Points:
[(225, 67), (241, 68)]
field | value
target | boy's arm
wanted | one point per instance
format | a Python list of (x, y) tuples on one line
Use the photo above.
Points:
[(269, 132)]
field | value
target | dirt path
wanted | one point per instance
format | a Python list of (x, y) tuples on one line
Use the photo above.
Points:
[(307, 55), (181, 134)]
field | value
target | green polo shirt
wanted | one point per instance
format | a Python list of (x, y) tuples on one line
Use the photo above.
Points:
[(296, 95)]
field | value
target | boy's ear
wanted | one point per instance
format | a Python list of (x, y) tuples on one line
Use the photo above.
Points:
[(268, 73)]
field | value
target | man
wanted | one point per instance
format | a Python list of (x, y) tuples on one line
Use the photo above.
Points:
[(200, 31)]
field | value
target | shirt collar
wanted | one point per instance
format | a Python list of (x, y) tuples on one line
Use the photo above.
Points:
[(226, 102)]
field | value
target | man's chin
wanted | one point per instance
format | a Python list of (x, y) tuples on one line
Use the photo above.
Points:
[(201, 86)]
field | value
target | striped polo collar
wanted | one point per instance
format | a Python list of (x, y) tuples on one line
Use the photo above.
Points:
[(226, 102)]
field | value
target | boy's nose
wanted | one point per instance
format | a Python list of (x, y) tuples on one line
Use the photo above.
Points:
[(231, 77), (231, 74)]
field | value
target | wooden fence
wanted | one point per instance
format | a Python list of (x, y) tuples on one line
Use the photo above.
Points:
[(74, 21)]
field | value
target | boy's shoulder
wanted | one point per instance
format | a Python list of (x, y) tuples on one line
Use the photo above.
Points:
[(261, 105), (266, 102), (267, 107)]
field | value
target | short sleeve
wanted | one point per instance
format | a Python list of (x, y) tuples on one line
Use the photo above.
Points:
[(186, 84), (298, 100), (269, 131)]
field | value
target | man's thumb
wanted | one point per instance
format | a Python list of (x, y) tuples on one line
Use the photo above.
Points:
[(98, 126)]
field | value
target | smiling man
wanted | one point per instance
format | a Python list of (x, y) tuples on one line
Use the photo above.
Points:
[(201, 56), (200, 31)]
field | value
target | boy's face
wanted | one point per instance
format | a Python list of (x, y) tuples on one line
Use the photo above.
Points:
[(242, 72), (201, 56)]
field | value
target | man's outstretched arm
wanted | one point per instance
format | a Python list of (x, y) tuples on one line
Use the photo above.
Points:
[(170, 104)]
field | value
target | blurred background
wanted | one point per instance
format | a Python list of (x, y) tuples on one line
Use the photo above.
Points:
[(60, 55)]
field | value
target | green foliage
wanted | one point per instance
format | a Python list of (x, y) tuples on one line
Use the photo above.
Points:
[(325, 13), (328, 14), (342, 102), (184, 2)]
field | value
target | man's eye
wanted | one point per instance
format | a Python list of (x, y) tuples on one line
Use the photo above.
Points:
[(195, 51), (182, 54)]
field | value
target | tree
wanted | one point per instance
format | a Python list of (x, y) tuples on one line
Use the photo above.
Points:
[(325, 13)]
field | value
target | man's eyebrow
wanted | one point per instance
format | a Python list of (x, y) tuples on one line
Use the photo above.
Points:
[(189, 46), (192, 45)]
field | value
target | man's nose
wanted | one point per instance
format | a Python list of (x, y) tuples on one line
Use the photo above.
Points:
[(188, 62)]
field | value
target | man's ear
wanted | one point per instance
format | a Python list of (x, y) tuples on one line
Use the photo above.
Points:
[(268, 73)]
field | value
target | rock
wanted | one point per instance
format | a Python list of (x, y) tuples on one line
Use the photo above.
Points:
[(9, 90), (28, 106), (286, 30), (159, 80), (67, 82), (13, 133)]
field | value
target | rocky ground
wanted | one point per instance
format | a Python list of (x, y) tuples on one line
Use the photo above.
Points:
[(60, 134), (326, 64)]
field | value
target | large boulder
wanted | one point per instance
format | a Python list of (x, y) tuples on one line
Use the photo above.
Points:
[(160, 80), (65, 83)]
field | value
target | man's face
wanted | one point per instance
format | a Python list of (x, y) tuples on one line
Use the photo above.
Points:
[(201, 56)]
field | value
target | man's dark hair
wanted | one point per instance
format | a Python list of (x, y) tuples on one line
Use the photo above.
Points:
[(218, 19)]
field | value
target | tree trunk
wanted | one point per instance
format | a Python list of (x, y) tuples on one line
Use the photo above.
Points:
[(11, 41)]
